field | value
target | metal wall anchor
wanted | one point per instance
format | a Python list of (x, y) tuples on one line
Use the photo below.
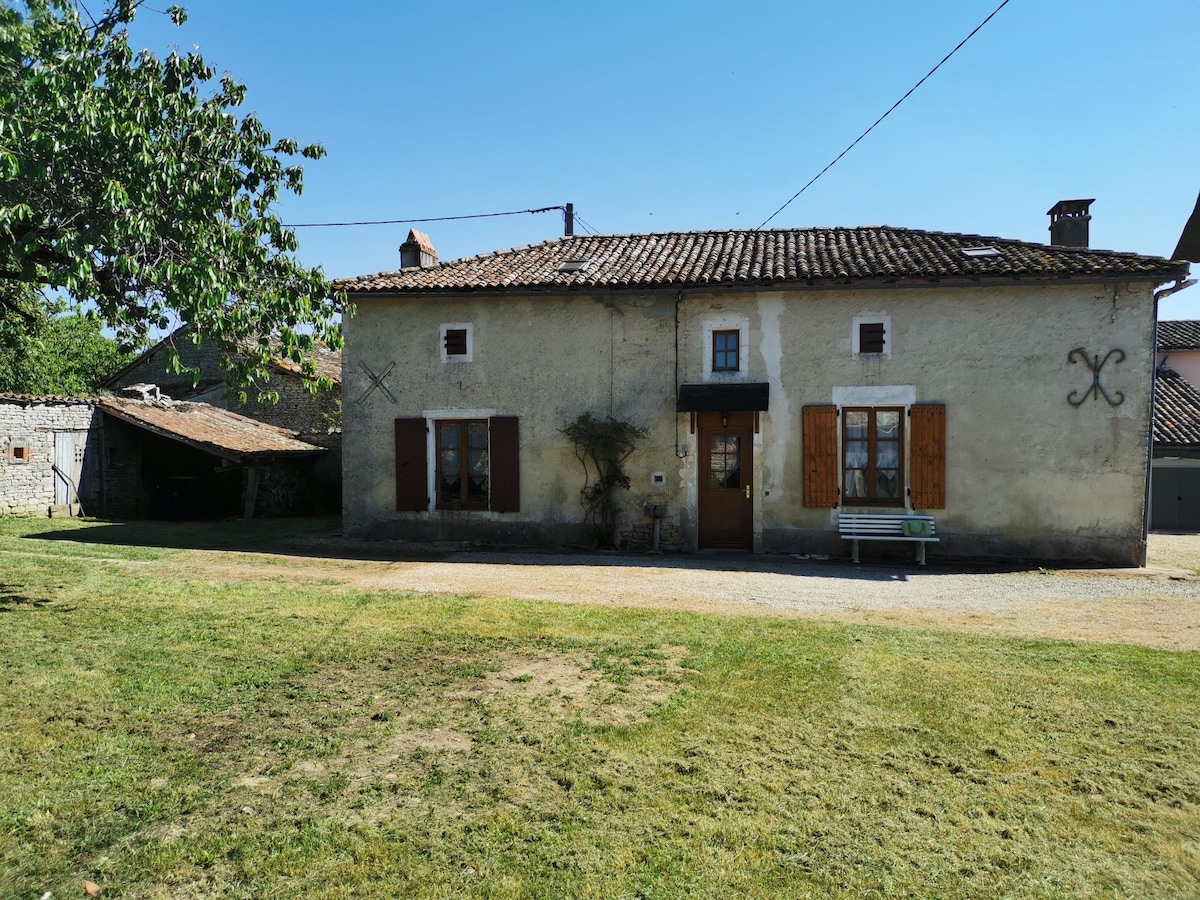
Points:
[(377, 382), (1079, 354)]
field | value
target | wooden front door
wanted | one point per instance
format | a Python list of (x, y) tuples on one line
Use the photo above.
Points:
[(726, 473)]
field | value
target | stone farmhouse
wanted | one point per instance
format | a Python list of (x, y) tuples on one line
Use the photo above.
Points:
[(787, 379), (297, 410)]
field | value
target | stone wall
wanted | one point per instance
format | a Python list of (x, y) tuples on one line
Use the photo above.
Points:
[(151, 368), (640, 536), (27, 429), (297, 409), (122, 466)]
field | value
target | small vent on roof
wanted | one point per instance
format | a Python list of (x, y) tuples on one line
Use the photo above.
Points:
[(573, 265), (980, 251)]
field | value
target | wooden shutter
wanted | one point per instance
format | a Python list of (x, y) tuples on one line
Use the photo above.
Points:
[(928, 445), (456, 342), (819, 433), (412, 466), (504, 485), (870, 337)]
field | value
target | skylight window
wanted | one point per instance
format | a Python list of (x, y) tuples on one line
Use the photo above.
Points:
[(980, 251), (573, 265)]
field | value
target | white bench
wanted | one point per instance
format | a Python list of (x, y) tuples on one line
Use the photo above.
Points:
[(882, 527)]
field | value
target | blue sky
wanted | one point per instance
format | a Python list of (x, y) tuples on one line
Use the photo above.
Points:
[(660, 116)]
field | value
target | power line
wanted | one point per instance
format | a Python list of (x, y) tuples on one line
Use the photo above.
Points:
[(885, 115), (585, 224), (517, 212)]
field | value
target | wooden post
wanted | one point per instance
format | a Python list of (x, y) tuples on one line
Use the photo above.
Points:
[(251, 491)]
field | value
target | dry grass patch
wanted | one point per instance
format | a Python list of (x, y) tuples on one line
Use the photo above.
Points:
[(171, 737)]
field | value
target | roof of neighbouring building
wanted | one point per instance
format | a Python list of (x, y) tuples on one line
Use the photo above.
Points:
[(43, 399), (1179, 334), (715, 258), (208, 428), (1176, 410), (1189, 241), (328, 362)]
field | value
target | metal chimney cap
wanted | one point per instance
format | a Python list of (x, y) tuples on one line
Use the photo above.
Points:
[(1070, 207)]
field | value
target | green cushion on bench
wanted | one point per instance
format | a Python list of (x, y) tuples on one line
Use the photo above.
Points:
[(915, 527)]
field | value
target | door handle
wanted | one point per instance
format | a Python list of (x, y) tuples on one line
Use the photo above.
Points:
[(747, 492)]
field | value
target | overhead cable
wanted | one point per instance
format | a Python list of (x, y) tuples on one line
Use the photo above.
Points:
[(517, 212), (884, 116)]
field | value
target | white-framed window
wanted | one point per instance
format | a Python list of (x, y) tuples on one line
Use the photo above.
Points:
[(726, 349), (457, 342), (871, 337)]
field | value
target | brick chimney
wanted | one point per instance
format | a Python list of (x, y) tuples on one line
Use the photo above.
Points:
[(417, 251), (1069, 222)]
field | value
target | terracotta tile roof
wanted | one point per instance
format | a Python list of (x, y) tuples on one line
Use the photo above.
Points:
[(208, 428), (328, 362), (1179, 334), (55, 399), (1176, 410), (700, 258), (421, 241)]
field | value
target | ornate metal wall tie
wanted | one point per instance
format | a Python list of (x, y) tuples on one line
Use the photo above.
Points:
[(1095, 363)]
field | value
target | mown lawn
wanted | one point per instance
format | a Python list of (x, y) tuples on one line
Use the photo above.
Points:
[(165, 738)]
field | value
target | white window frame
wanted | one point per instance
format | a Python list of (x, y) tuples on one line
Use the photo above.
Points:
[(467, 357), (886, 322), (741, 325)]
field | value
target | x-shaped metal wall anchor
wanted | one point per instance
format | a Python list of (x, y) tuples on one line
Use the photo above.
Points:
[(1097, 389), (377, 382)]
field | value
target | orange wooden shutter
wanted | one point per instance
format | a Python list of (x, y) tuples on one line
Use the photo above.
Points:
[(412, 467), (928, 443), (819, 427), (504, 481)]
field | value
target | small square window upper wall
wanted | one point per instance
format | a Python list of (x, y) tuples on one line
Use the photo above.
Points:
[(871, 337), (726, 349), (457, 342)]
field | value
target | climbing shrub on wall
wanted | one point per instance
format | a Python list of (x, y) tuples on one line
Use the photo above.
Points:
[(602, 446)]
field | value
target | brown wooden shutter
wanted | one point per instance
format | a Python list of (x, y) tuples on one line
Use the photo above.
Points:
[(456, 342), (504, 485), (819, 433), (412, 466), (928, 443)]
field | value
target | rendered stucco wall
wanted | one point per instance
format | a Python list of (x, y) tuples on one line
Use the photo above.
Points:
[(543, 359), (1028, 474)]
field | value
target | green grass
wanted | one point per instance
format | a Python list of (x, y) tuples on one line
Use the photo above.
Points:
[(168, 738)]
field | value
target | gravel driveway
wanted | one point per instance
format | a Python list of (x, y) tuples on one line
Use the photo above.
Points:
[(1158, 606)]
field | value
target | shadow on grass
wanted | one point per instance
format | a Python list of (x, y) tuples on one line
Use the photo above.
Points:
[(321, 538), (10, 599)]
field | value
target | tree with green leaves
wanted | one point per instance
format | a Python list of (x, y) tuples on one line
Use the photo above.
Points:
[(48, 349), (132, 184)]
